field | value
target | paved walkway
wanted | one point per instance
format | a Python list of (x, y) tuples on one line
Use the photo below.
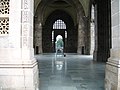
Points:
[(73, 72)]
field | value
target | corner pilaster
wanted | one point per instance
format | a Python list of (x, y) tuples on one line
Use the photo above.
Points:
[(112, 71)]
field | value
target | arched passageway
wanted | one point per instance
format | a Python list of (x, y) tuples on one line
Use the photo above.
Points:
[(77, 30), (77, 27), (71, 40)]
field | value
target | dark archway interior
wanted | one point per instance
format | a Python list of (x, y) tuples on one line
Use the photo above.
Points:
[(72, 35)]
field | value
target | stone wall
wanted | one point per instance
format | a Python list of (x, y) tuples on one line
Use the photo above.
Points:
[(18, 67), (112, 76)]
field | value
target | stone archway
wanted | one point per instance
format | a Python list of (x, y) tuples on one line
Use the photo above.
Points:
[(71, 32), (74, 9)]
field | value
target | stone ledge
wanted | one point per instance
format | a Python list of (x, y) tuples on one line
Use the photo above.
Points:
[(16, 65), (114, 62), (24, 88)]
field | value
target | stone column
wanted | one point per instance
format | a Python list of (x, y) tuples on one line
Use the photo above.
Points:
[(18, 67), (84, 36), (81, 35), (102, 32), (38, 37), (112, 76), (96, 39), (87, 35)]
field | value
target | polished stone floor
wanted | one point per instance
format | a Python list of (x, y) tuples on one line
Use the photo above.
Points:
[(73, 72)]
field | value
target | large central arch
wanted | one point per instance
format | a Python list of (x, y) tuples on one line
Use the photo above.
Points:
[(71, 44), (72, 13)]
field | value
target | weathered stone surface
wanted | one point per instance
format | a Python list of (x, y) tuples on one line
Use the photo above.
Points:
[(18, 67), (112, 75)]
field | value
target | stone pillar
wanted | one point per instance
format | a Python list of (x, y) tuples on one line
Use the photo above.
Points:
[(87, 35), (112, 76), (84, 36), (102, 32), (96, 39), (18, 67), (38, 37), (81, 35)]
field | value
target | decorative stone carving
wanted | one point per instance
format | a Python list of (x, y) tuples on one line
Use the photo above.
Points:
[(4, 19), (4, 26), (4, 6), (25, 16), (25, 4), (26, 23)]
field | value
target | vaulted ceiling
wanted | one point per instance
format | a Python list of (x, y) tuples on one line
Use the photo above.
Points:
[(75, 8), (84, 3)]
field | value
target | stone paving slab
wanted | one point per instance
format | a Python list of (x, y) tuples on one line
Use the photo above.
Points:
[(77, 72)]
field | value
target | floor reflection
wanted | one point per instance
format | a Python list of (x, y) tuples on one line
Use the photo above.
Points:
[(59, 64), (73, 72)]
